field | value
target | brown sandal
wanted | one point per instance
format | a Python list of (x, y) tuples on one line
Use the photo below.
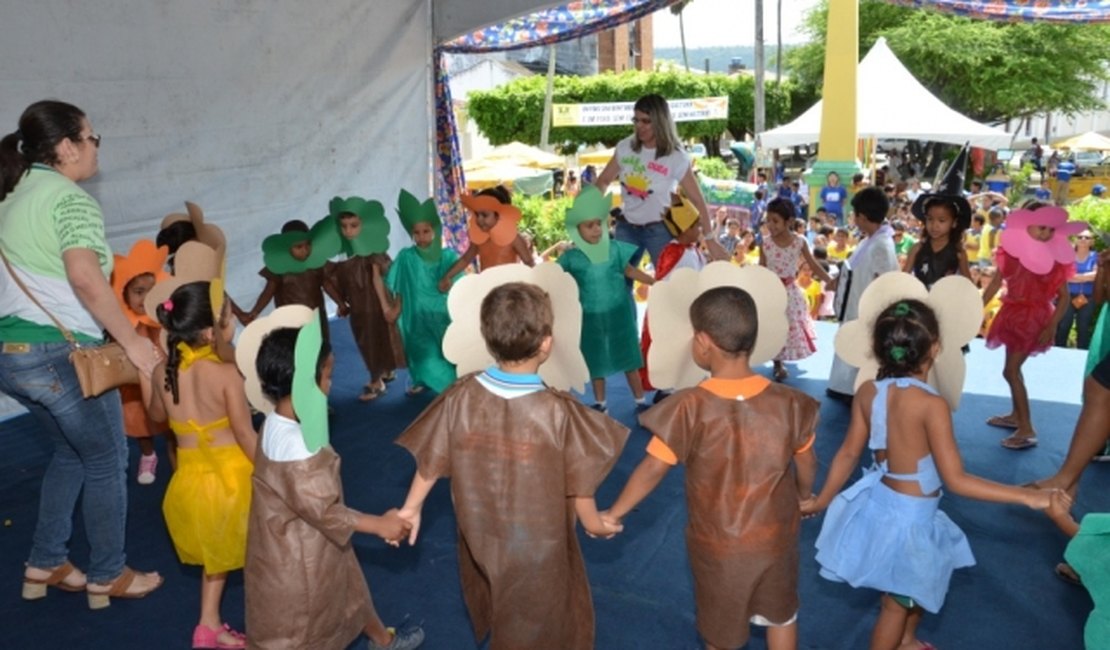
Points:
[(101, 593), (35, 588)]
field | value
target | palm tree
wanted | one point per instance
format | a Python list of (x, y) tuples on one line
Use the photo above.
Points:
[(676, 9)]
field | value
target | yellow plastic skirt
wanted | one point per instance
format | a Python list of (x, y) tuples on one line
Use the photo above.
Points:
[(207, 505)]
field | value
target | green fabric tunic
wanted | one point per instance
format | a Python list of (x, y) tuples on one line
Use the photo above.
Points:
[(424, 318), (1089, 554), (609, 338)]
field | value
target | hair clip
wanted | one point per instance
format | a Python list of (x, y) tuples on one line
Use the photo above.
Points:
[(167, 305), (902, 309), (898, 352)]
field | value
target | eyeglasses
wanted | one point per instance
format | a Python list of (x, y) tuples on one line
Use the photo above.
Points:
[(1084, 237), (92, 137), (641, 120)]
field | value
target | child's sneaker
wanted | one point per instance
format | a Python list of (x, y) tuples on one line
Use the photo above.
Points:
[(600, 407), (147, 464), (402, 640)]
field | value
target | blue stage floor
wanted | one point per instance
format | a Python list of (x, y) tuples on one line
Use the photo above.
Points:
[(640, 580)]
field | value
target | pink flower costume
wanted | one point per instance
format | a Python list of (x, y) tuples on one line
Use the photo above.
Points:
[(1033, 271), (801, 340)]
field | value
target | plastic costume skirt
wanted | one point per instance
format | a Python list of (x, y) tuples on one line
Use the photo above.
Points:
[(875, 537), (207, 505)]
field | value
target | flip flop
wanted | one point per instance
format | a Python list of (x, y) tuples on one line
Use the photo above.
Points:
[(1018, 443), (370, 393), (1002, 421), (1068, 574)]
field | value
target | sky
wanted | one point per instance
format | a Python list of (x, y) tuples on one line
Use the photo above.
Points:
[(729, 22)]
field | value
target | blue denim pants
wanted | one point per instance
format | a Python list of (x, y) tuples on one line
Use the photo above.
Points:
[(653, 237), (90, 456), (1082, 318)]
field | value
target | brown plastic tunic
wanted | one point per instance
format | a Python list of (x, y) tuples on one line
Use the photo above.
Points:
[(514, 465), (304, 288), (304, 585), (742, 534), (354, 278)]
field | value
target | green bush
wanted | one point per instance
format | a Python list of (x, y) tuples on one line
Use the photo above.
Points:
[(543, 219), (715, 168), (1095, 212)]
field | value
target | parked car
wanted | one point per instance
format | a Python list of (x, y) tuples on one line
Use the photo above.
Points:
[(1086, 161)]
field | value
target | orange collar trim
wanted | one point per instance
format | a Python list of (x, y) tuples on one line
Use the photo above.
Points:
[(738, 389)]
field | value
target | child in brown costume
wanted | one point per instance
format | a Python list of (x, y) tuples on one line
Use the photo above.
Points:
[(748, 446), (304, 585), (360, 279), (297, 270), (524, 460)]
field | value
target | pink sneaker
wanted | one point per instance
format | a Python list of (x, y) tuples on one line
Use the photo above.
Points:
[(147, 464)]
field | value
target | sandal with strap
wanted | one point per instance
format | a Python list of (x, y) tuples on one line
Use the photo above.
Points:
[(208, 638), (35, 588), (101, 593)]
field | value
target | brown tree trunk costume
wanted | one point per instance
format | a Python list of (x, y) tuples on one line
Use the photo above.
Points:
[(515, 466), (305, 288), (304, 585), (354, 278)]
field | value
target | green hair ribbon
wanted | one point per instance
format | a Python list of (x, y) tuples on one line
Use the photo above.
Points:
[(897, 352), (902, 309)]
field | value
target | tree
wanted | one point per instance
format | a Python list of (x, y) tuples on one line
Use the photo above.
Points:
[(677, 9), (514, 111), (989, 71)]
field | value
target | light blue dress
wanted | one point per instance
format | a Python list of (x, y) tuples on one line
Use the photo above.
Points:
[(875, 537)]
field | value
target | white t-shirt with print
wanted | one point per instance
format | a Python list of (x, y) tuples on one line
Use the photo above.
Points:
[(647, 182)]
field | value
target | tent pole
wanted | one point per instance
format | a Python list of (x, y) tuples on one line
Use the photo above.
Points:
[(546, 128)]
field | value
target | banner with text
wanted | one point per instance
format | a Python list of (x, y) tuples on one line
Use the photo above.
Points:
[(611, 113)]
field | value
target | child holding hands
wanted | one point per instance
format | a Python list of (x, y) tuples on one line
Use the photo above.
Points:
[(304, 585), (209, 494), (886, 531), (743, 482), (492, 231), (524, 462)]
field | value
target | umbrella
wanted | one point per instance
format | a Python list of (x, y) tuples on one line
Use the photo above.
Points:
[(522, 155), (1089, 141), (479, 178), (596, 158)]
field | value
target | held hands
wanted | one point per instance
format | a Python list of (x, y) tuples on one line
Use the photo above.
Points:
[(392, 528), (343, 310), (412, 517), (609, 528), (1059, 507), (809, 506), (393, 312), (444, 284), (144, 354)]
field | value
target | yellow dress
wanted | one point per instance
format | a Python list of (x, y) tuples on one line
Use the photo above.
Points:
[(208, 499)]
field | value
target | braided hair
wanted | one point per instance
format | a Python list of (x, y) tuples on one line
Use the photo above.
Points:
[(184, 316), (904, 335)]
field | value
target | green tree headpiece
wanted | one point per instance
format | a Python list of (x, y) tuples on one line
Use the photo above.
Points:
[(325, 239), (412, 211), (374, 235), (590, 204)]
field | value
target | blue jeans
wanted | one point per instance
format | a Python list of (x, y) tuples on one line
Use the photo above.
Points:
[(90, 457), (653, 237), (1082, 318)]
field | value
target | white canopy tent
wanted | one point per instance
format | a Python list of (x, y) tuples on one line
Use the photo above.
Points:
[(892, 104)]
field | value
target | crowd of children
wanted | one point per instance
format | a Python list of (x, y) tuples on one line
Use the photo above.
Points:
[(522, 573)]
